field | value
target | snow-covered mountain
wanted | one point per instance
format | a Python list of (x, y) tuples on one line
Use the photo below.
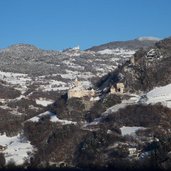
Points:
[(141, 42), (146, 38), (40, 125)]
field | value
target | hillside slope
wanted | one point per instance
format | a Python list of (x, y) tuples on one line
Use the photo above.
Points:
[(41, 126)]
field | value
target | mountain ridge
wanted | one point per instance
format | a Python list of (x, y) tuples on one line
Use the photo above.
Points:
[(142, 38), (141, 42)]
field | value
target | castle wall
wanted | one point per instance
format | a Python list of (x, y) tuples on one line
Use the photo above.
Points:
[(112, 90), (80, 93)]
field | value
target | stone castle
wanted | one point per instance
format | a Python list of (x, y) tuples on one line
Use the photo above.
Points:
[(79, 91)]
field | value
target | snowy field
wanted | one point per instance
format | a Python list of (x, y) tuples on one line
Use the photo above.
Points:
[(118, 51), (44, 102), (15, 78), (130, 130), (53, 118), (160, 94), (20, 81), (17, 148)]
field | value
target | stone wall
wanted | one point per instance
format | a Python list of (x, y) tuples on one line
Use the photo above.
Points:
[(80, 93), (118, 88)]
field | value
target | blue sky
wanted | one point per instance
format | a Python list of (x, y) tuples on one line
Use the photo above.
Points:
[(59, 24)]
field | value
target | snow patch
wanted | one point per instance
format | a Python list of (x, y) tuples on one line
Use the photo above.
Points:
[(117, 51), (149, 38), (72, 65), (126, 130), (124, 103), (158, 94), (95, 98), (54, 85), (44, 102), (15, 78), (76, 48), (20, 81), (53, 118), (17, 148)]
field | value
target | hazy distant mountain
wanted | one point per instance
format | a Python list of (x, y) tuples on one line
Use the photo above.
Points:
[(141, 42)]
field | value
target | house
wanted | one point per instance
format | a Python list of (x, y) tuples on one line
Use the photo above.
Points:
[(118, 88)]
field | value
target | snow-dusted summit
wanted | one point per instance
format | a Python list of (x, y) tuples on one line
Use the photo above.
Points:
[(150, 38)]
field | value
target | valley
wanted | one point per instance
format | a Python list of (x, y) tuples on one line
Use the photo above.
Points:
[(67, 105)]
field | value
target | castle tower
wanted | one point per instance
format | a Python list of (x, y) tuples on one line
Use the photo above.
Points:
[(120, 87), (77, 83)]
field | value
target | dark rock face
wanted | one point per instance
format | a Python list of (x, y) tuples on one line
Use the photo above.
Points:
[(151, 68), (165, 44)]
